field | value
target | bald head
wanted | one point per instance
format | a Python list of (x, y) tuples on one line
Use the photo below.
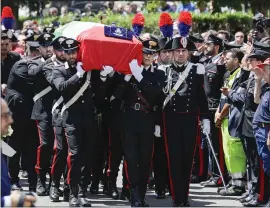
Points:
[(6, 119)]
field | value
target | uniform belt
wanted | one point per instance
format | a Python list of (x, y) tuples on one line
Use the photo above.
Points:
[(140, 107), (42, 93), (263, 125)]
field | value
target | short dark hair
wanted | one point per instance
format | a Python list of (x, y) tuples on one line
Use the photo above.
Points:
[(236, 53), (226, 33)]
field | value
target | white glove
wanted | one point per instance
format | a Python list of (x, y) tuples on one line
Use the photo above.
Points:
[(136, 70), (157, 131), (112, 98), (4, 89), (206, 126), (127, 77), (106, 70), (80, 71)]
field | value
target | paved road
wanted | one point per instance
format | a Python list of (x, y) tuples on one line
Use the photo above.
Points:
[(199, 196)]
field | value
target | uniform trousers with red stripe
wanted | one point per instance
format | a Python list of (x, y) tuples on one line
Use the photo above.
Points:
[(115, 151), (180, 138), (201, 158), (60, 149), (45, 149), (80, 148), (138, 138)]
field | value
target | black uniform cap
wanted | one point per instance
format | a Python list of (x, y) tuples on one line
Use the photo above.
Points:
[(33, 45), (196, 38), (182, 42), (150, 46), (30, 35), (14, 38), (228, 46), (57, 43), (165, 44), (260, 55), (261, 46), (69, 45), (48, 30), (214, 39), (6, 34), (45, 39)]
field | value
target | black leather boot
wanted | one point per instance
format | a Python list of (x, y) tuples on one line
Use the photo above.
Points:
[(142, 192), (54, 194), (112, 190), (125, 194), (135, 197), (73, 195), (94, 187), (41, 186), (66, 191), (82, 196)]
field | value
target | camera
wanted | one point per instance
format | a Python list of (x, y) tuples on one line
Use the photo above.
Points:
[(260, 22)]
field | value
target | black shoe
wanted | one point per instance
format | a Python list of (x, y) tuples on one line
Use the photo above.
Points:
[(144, 203), (16, 186), (243, 196), (125, 194), (210, 183), (135, 198), (60, 192), (267, 204), (66, 192), (73, 196), (151, 184), (54, 194), (24, 174), (41, 187), (82, 196), (233, 191), (94, 188), (249, 198), (112, 191), (32, 188), (160, 195), (175, 204), (222, 188), (252, 203), (195, 179), (186, 204)]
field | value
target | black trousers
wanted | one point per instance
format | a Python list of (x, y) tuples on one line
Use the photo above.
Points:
[(201, 157), (24, 140), (60, 150), (99, 149), (115, 148), (253, 163), (80, 148), (45, 148), (138, 136), (180, 137), (160, 165)]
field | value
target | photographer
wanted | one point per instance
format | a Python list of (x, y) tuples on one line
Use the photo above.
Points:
[(15, 199)]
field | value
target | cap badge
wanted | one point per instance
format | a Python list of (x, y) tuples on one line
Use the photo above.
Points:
[(69, 42), (184, 42), (152, 44)]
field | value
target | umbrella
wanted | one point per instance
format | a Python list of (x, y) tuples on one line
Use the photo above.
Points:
[(74, 28), (98, 50)]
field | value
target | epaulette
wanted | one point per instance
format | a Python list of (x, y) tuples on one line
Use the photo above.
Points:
[(200, 68)]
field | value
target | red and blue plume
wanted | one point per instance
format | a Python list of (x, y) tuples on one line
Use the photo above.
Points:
[(7, 17), (138, 24), (166, 25), (184, 23)]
